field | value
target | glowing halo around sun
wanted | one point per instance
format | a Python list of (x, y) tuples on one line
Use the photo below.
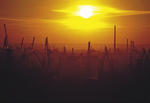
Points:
[(86, 17)]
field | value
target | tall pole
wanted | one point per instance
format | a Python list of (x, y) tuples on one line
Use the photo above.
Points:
[(89, 47), (33, 42), (6, 38), (46, 53), (115, 38), (46, 43), (22, 42)]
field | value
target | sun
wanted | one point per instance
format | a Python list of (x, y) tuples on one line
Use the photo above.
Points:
[(85, 11)]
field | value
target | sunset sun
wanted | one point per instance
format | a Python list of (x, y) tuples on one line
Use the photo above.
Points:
[(86, 11)]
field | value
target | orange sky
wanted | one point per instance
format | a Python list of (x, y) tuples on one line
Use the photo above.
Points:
[(28, 18)]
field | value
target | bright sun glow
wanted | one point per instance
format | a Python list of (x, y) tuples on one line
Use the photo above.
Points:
[(86, 11), (87, 17)]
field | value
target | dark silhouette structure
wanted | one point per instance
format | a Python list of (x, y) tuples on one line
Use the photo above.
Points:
[(5, 44), (33, 41), (46, 43), (89, 47), (115, 38), (22, 42)]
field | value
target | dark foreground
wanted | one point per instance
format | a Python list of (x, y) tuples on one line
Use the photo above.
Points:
[(42, 88), (19, 83)]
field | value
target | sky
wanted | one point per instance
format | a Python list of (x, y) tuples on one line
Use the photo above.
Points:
[(38, 18)]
